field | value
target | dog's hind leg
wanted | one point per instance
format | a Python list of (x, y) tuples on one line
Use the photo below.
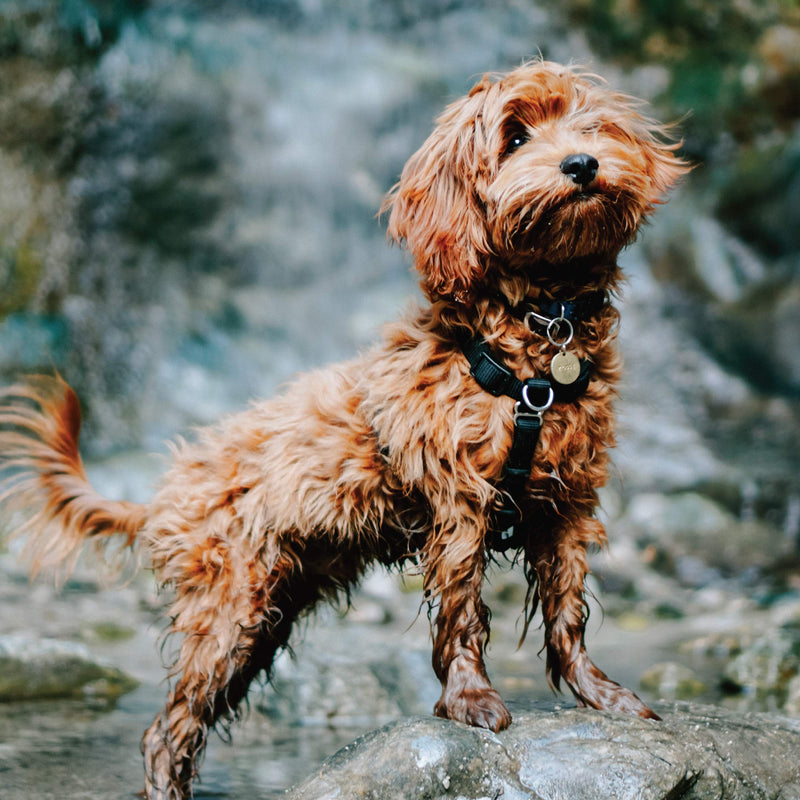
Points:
[(173, 745), (225, 646), (561, 568)]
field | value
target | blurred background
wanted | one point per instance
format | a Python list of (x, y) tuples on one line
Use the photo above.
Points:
[(188, 200)]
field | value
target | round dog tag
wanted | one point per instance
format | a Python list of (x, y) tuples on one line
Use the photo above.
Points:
[(565, 367)]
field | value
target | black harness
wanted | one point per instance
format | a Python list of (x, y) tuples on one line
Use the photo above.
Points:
[(533, 397)]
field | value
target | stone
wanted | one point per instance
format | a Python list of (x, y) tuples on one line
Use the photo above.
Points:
[(695, 752), (672, 681), (321, 688), (767, 665), (792, 704), (701, 539), (33, 668)]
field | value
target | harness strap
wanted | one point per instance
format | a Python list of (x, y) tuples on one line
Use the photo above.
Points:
[(533, 397)]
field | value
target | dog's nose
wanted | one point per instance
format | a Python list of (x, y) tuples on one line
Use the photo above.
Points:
[(581, 167)]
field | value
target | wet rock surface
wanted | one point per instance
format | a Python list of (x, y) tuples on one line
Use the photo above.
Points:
[(325, 688), (696, 752)]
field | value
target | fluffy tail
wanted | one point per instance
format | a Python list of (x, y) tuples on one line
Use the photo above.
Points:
[(43, 478)]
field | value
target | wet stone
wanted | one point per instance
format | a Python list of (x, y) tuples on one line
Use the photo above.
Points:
[(767, 666), (582, 754), (32, 669), (321, 689)]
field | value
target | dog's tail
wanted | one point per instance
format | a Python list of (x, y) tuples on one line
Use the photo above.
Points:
[(44, 482)]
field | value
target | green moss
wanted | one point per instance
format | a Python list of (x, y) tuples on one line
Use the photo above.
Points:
[(19, 276), (707, 47), (60, 675), (111, 632)]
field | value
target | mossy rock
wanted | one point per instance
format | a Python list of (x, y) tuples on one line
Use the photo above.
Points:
[(39, 669), (19, 276)]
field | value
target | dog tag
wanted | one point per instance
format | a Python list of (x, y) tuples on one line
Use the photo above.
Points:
[(565, 367)]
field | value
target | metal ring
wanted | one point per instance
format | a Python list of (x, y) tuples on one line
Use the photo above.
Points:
[(557, 321), (538, 409)]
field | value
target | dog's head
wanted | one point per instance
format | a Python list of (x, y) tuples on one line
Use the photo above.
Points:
[(538, 168)]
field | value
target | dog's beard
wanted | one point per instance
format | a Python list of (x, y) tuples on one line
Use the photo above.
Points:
[(586, 224), (568, 226)]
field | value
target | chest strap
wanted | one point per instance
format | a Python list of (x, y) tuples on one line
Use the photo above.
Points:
[(533, 397)]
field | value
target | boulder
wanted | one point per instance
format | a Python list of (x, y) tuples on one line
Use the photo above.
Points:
[(695, 752), (36, 669), (324, 688), (766, 666), (671, 679)]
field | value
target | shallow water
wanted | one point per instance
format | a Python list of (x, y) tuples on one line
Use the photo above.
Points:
[(75, 751), (69, 750)]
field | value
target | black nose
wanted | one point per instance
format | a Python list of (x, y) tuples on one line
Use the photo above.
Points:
[(581, 167)]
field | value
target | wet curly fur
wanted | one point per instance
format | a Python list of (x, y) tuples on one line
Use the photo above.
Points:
[(398, 453)]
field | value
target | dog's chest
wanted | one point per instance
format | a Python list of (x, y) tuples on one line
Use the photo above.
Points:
[(443, 434)]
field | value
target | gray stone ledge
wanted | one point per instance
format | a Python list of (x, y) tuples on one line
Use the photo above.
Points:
[(696, 752)]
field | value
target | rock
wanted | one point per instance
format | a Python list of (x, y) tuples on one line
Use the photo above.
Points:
[(696, 752), (779, 46), (656, 515), (715, 265), (767, 665), (32, 669), (321, 689), (792, 704), (698, 540), (673, 681), (754, 336)]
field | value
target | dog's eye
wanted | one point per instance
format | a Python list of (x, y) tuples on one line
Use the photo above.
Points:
[(515, 140)]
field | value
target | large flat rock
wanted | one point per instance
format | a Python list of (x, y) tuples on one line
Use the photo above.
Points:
[(696, 752)]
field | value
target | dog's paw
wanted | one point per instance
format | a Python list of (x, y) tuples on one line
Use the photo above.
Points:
[(593, 688), (621, 700), (481, 708), (629, 703)]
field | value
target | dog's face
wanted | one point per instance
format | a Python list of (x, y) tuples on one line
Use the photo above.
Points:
[(539, 168)]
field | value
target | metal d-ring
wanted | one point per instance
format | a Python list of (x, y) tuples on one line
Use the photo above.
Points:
[(558, 321), (538, 409)]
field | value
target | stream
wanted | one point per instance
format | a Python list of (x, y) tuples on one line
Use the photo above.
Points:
[(85, 749)]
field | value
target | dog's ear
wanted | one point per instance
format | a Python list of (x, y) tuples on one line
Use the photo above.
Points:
[(664, 167), (436, 209)]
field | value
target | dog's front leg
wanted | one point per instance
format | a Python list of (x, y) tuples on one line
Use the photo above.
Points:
[(561, 567), (460, 633)]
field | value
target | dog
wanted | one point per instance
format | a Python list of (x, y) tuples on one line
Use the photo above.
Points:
[(479, 424)]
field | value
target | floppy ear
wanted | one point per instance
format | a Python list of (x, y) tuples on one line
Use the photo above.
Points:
[(663, 168), (436, 210)]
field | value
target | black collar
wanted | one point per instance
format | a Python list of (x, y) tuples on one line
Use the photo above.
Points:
[(578, 309), (497, 379)]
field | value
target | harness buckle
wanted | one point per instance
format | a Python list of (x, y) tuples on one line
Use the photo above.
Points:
[(532, 317)]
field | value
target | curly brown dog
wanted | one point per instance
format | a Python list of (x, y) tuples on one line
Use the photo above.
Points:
[(480, 423)]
